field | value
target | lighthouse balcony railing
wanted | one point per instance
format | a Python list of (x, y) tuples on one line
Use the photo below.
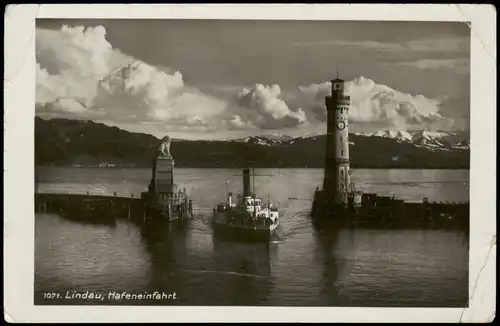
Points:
[(338, 96), (334, 101)]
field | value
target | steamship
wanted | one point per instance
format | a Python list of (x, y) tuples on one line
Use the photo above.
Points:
[(248, 218)]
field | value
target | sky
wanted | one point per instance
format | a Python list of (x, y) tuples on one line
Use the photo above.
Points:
[(222, 79)]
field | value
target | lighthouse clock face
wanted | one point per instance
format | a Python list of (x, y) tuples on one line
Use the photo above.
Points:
[(341, 125)]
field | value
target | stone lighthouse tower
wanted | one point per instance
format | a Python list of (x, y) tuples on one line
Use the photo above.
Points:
[(336, 183)]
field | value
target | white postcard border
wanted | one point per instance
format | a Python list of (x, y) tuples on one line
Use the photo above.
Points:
[(19, 94)]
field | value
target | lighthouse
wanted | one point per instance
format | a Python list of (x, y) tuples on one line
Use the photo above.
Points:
[(338, 198), (336, 182), (339, 201)]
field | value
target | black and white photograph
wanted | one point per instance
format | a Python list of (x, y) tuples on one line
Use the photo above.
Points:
[(203, 162)]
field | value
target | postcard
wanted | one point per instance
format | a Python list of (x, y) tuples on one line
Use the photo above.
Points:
[(262, 163)]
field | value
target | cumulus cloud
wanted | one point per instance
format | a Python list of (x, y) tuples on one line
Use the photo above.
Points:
[(263, 107), (380, 106), (71, 61), (80, 75), (65, 106), (235, 123)]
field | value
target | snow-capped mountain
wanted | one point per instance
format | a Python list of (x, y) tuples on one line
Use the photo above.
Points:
[(400, 135), (463, 145), (266, 140), (432, 140), (70, 142)]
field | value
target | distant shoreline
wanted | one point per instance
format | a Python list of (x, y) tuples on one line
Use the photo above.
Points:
[(77, 143), (257, 167)]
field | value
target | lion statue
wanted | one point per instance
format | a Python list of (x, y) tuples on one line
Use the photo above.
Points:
[(164, 149)]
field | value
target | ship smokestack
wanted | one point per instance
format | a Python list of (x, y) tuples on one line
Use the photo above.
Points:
[(246, 182)]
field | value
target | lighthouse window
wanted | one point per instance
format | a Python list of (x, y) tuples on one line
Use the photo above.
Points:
[(341, 152), (340, 138)]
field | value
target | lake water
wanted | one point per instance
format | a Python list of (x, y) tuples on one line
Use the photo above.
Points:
[(343, 267)]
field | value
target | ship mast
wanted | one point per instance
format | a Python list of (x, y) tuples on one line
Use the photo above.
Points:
[(253, 195), (253, 181), (227, 191)]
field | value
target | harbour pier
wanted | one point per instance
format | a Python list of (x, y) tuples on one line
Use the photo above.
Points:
[(90, 207), (163, 202), (385, 211)]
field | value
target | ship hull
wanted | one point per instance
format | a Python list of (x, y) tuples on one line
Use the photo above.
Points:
[(242, 233)]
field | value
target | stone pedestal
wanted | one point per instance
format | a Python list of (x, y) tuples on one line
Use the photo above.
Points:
[(162, 181), (163, 199)]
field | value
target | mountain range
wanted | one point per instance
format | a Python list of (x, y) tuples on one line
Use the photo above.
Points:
[(84, 142), (431, 140)]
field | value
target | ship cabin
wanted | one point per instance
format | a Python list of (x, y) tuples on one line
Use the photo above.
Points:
[(221, 207), (249, 211), (251, 202)]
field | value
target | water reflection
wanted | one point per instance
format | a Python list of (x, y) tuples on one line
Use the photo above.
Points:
[(307, 267), (76, 256), (240, 258), (201, 273), (95, 220), (165, 244), (242, 272), (327, 240), (382, 264)]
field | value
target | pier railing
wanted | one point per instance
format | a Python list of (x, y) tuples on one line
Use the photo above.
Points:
[(130, 205), (83, 202)]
